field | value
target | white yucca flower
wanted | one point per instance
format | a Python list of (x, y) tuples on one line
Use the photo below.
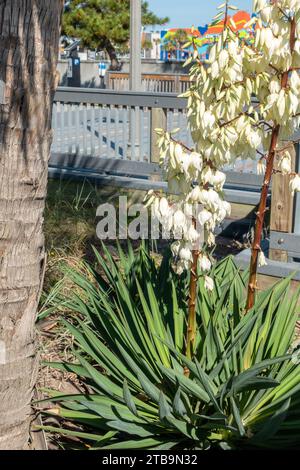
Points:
[(295, 184), (262, 260), (281, 104), (274, 86), (195, 194), (207, 175), (195, 161), (178, 152), (224, 210), (164, 207), (209, 283), (208, 120), (294, 103), (168, 222), (285, 164), (254, 139), (221, 215), (204, 216), (223, 59), (192, 234), (265, 14), (218, 179), (175, 247), (211, 239), (179, 220), (261, 167), (233, 48), (213, 199), (215, 69), (293, 5), (155, 208), (259, 4), (185, 254), (189, 210), (295, 81), (204, 263), (227, 207), (212, 53), (182, 266), (271, 100)]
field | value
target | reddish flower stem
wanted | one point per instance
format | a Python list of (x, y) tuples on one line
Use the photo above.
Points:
[(192, 321)]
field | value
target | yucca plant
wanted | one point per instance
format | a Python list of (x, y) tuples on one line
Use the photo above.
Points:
[(243, 386)]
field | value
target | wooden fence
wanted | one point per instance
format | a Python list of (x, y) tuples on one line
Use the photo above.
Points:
[(156, 83)]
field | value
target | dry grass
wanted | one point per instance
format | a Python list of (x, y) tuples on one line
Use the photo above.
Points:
[(70, 230)]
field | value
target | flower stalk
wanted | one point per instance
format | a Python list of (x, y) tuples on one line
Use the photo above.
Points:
[(260, 217), (192, 320)]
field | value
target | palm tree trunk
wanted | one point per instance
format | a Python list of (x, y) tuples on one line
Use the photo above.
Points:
[(29, 38)]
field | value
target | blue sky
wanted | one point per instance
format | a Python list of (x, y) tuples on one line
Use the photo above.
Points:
[(185, 13)]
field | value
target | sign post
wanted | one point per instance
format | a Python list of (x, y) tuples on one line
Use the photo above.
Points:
[(73, 72)]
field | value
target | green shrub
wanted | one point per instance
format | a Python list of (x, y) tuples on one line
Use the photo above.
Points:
[(243, 388)]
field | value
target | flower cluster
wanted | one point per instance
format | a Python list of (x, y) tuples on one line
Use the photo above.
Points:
[(236, 99), (192, 216), (277, 52)]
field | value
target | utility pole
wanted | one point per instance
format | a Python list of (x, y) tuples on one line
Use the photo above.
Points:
[(135, 80), (135, 45)]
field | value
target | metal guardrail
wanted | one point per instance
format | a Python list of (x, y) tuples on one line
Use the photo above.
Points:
[(93, 133), (289, 242), (240, 188), (119, 98), (99, 123), (94, 137)]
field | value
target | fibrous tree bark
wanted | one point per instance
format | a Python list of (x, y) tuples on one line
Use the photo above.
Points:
[(29, 39)]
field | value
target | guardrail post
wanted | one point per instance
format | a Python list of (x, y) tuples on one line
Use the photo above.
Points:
[(110, 81), (282, 205), (177, 84), (158, 121)]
